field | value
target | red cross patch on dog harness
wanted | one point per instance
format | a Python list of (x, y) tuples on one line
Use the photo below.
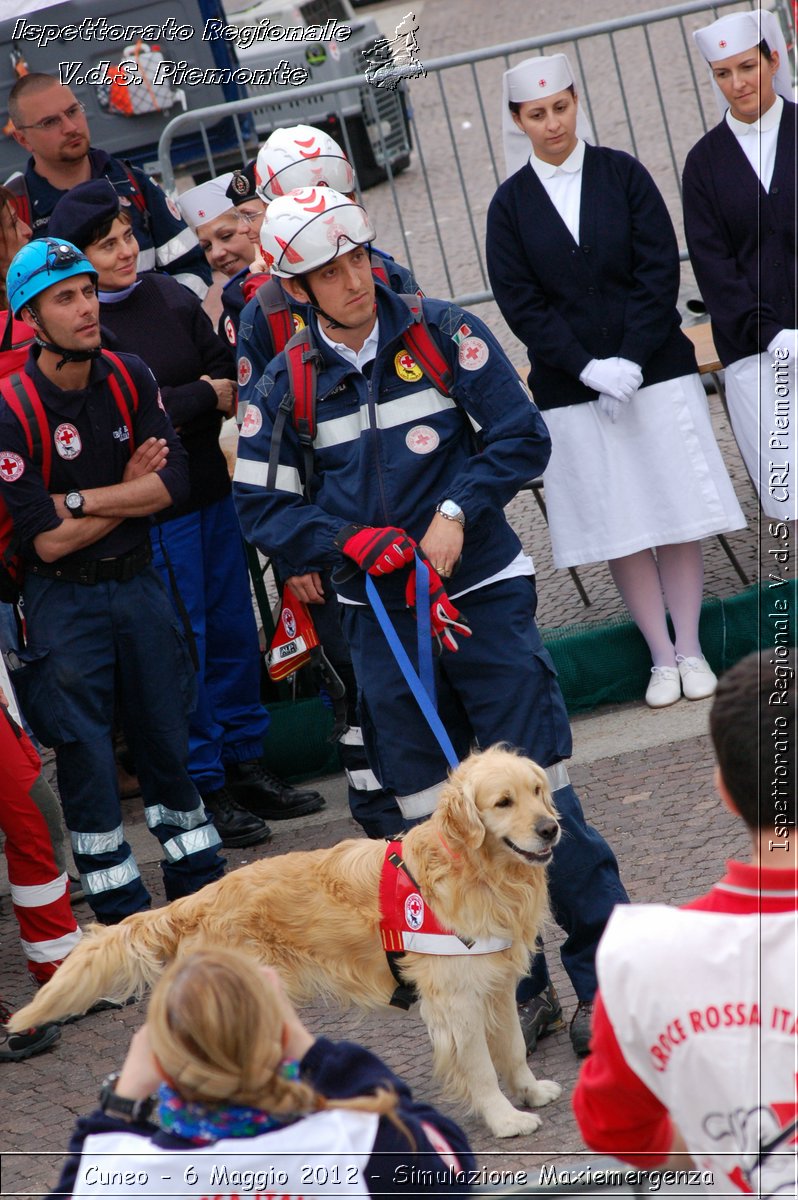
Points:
[(408, 923)]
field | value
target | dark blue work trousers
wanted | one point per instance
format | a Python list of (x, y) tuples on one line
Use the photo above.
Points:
[(89, 649), (500, 686)]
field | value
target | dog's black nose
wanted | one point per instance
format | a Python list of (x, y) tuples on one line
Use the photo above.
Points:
[(547, 828)]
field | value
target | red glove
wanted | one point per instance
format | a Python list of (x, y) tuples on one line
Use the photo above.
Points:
[(445, 619), (377, 550)]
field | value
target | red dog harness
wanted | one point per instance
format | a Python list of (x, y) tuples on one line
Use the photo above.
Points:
[(408, 923)]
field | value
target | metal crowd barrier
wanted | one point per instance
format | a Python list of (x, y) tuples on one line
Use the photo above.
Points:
[(639, 77)]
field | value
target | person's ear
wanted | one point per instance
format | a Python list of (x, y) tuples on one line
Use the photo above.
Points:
[(295, 289), (517, 121), (29, 315), (19, 136), (774, 62), (723, 792)]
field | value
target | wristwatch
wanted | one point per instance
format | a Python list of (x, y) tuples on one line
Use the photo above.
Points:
[(452, 512), (73, 502), (123, 1106)]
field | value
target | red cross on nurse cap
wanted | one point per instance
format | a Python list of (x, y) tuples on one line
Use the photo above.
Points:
[(733, 34), (538, 77)]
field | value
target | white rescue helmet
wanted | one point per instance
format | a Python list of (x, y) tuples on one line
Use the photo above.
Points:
[(301, 157), (311, 227)]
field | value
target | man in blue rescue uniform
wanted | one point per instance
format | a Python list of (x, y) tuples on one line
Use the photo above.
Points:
[(100, 627), (395, 465)]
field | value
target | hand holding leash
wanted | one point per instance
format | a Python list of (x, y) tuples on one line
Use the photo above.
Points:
[(376, 550), (445, 619)]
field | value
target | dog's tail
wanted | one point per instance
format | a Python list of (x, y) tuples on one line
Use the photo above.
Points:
[(111, 962)]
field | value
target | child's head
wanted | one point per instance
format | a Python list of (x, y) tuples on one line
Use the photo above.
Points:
[(753, 730)]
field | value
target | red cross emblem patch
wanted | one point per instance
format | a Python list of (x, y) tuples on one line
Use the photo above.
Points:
[(11, 466), (414, 911), (252, 421), (473, 353), (67, 441)]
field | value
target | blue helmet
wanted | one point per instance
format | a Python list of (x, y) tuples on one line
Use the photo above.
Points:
[(39, 265)]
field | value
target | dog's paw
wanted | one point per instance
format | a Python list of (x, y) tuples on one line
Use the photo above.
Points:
[(540, 1092), (515, 1124)]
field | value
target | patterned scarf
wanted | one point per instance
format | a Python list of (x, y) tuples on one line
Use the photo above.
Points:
[(201, 1125)]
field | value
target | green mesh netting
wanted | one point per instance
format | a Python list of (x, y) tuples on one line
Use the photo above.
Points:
[(295, 746), (608, 662)]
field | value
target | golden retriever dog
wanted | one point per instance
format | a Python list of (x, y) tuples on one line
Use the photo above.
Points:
[(480, 865)]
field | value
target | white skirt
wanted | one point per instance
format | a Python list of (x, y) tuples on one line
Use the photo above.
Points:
[(654, 477), (761, 395)]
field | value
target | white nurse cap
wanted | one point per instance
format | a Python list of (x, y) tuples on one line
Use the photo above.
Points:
[(206, 201)]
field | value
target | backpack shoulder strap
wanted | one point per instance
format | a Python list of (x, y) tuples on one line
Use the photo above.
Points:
[(277, 311), (125, 393), (378, 268), (425, 350), (275, 307), (138, 195), (21, 396), (299, 402)]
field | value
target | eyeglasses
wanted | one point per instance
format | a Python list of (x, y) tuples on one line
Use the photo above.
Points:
[(250, 217), (48, 124)]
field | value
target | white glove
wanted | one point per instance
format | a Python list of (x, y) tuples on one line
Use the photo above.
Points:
[(786, 340), (609, 406), (616, 377)]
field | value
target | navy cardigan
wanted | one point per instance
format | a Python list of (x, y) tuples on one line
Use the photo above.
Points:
[(742, 239), (614, 293)]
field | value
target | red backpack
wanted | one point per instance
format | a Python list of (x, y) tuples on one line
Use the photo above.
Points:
[(19, 393), (302, 359)]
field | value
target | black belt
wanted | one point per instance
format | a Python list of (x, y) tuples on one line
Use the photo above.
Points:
[(100, 570)]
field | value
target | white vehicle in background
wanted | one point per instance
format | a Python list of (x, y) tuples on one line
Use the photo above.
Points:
[(192, 54)]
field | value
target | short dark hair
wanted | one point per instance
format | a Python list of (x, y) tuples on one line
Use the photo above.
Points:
[(103, 229), (35, 81), (766, 50), (753, 729)]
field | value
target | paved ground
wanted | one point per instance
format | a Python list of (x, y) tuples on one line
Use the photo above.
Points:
[(645, 779), (646, 782)]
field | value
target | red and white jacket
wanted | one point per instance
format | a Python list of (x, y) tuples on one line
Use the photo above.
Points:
[(695, 1025)]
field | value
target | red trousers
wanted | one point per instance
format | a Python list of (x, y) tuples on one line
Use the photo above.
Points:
[(40, 894)]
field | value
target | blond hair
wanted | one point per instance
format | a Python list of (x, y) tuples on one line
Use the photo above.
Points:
[(215, 1022)]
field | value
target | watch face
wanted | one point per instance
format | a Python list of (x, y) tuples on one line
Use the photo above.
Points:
[(73, 500), (450, 509)]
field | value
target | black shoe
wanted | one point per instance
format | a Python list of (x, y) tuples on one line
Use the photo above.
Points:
[(14, 1047), (258, 790), (236, 827), (580, 1028), (539, 1016)]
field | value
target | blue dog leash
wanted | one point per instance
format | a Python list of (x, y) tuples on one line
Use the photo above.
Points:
[(421, 682)]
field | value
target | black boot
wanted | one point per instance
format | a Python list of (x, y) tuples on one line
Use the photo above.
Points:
[(235, 826), (263, 793)]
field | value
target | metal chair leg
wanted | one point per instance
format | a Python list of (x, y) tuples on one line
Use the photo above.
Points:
[(536, 488), (732, 557)]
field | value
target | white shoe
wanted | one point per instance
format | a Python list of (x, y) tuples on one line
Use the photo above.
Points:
[(665, 687), (698, 678)]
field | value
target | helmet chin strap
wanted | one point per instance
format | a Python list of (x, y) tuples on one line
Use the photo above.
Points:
[(67, 356), (314, 304)]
